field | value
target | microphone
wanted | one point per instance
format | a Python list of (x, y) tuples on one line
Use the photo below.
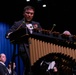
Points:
[(25, 27), (52, 28), (8, 34), (20, 25)]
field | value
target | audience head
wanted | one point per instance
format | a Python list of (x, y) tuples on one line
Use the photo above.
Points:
[(66, 32), (3, 57)]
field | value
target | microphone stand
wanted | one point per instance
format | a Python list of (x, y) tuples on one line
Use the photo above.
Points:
[(52, 28)]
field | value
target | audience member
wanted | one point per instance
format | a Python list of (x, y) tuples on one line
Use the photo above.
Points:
[(3, 68), (66, 32)]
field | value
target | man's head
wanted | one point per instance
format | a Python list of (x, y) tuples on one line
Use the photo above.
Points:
[(3, 57), (66, 32), (28, 13)]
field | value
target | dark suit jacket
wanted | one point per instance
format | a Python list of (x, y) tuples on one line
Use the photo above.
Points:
[(3, 70), (23, 52), (22, 24)]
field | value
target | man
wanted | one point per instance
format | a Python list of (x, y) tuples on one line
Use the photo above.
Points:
[(3, 68), (27, 23)]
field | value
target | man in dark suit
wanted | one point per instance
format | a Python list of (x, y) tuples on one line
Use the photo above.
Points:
[(27, 23), (3, 68)]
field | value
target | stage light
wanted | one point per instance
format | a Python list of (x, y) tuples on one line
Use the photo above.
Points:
[(44, 5), (27, 0)]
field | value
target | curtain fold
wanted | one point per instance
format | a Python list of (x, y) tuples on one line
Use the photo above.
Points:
[(7, 48)]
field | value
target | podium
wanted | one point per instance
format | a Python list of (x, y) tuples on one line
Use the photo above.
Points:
[(18, 37)]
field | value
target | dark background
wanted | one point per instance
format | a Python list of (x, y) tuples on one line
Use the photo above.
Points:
[(59, 12)]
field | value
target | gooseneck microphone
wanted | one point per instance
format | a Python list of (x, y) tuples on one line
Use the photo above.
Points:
[(20, 25), (7, 35), (52, 28)]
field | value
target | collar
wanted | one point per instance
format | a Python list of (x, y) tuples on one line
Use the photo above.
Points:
[(26, 21), (2, 62)]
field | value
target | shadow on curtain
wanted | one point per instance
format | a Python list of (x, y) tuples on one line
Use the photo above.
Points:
[(7, 48)]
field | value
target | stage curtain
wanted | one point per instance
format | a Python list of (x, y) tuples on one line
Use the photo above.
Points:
[(8, 48)]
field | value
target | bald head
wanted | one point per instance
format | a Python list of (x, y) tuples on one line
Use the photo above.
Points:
[(3, 57), (66, 32)]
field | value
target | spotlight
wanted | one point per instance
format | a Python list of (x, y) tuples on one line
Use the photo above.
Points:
[(27, 0), (44, 5)]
